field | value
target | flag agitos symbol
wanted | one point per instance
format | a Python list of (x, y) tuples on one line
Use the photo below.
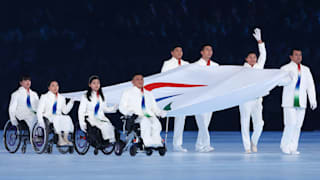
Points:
[(158, 85)]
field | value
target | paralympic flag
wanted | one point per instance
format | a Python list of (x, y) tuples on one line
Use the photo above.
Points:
[(194, 89)]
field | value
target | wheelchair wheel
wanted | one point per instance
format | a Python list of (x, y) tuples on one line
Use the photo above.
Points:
[(108, 149), (162, 151), (39, 139), (11, 137), (149, 152), (133, 150), (81, 144)]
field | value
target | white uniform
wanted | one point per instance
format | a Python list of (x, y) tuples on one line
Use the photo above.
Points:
[(203, 120), (96, 116), (253, 109), (22, 109), (131, 103), (53, 113), (294, 116), (179, 120)]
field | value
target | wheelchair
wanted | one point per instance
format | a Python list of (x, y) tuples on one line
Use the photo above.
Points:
[(43, 139), (134, 142), (93, 137), (14, 135)]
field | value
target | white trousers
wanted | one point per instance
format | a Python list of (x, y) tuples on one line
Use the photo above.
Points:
[(179, 122), (203, 121), (293, 121), (251, 109), (150, 131), (62, 123), (106, 127)]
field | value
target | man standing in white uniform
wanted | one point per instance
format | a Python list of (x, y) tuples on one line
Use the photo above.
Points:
[(253, 108), (179, 121), (203, 120), (294, 101)]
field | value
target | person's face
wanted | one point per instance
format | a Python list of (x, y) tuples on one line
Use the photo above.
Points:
[(296, 56), (251, 59), (95, 85), (138, 81), (177, 53), (25, 83), (54, 87), (207, 52)]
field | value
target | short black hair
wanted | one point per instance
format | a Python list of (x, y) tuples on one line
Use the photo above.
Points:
[(205, 45), (294, 49), (24, 78), (174, 47), (251, 52), (137, 74)]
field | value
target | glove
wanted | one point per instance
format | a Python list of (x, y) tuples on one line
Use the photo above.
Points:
[(14, 122), (313, 106), (83, 126), (257, 34), (163, 114)]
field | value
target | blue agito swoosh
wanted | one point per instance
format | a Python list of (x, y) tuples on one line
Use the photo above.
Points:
[(166, 97)]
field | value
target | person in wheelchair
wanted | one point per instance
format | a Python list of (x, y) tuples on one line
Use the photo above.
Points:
[(22, 113), (23, 104), (91, 111), (140, 103), (53, 107)]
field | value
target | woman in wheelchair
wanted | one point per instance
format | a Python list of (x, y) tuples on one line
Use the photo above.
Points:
[(53, 107), (141, 103), (22, 112), (91, 111)]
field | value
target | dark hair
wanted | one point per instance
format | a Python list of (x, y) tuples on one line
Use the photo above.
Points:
[(251, 52), (138, 74), (174, 47), (294, 49), (205, 45), (24, 78), (51, 81), (89, 91)]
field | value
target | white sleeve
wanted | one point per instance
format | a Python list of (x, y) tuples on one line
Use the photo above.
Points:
[(12, 108), (311, 90), (36, 102), (123, 106), (262, 55), (40, 110), (155, 108), (82, 112), (164, 67)]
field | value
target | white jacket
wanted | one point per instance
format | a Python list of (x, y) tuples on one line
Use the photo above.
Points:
[(131, 99), (203, 62), (86, 108), (306, 86), (172, 64), (262, 58), (46, 106), (18, 104)]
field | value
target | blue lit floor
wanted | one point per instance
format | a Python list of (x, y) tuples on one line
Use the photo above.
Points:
[(227, 162)]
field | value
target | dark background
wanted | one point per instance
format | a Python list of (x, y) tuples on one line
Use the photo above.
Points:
[(70, 40)]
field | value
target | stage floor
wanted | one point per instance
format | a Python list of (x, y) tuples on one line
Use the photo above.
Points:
[(227, 162)]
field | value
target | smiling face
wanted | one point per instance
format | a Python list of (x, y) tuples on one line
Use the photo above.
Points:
[(95, 85), (296, 56), (177, 53), (26, 84), (206, 52), (138, 81), (54, 87), (251, 59)]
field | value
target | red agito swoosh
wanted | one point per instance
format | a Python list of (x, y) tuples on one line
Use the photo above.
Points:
[(153, 86)]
